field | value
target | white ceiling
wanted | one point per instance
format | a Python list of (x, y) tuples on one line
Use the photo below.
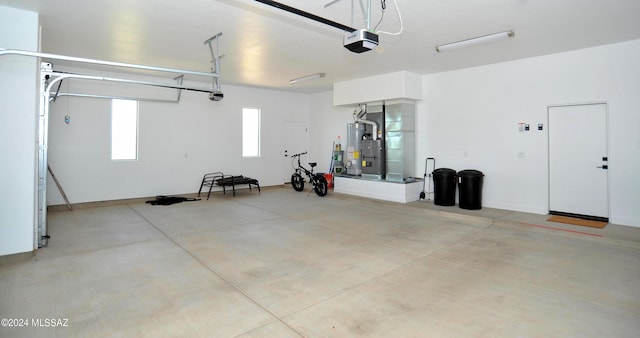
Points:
[(266, 47)]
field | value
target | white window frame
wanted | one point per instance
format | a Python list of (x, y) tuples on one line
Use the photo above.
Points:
[(251, 129), (124, 130)]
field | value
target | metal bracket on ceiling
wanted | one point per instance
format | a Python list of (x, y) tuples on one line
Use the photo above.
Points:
[(216, 95), (366, 13)]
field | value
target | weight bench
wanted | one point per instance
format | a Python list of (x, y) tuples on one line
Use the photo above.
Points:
[(219, 179)]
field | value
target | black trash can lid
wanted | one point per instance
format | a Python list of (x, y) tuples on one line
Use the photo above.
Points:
[(444, 171), (470, 173)]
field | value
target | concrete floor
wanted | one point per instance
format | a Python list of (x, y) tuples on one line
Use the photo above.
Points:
[(289, 264)]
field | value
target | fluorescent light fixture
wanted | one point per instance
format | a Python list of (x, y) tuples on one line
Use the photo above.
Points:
[(476, 41), (307, 77)]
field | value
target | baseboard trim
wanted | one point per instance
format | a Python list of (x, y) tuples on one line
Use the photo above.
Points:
[(125, 201)]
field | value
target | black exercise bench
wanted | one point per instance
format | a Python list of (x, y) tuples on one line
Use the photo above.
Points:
[(219, 179)]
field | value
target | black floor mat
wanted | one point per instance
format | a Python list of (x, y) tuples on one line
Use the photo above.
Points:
[(168, 200)]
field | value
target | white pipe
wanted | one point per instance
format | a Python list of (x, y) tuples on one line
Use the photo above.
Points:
[(368, 19), (374, 124)]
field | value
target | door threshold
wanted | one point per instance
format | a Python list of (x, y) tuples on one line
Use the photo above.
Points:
[(587, 217)]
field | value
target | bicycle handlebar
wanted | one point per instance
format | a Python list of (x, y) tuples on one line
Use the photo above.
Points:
[(296, 155)]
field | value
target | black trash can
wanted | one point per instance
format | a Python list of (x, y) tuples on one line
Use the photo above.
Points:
[(470, 189), (444, 187)]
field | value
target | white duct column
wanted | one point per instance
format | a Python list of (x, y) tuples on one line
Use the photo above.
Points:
[(18, 110)]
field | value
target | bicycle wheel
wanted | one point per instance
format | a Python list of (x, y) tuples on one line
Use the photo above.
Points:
[(297, 182), (321, 186)]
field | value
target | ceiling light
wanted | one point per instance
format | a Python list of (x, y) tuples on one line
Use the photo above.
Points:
[(307, 77), (476, 41)]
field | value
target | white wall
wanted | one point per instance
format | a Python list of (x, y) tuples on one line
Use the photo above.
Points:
[(326, 123), (469, 118), (18, 140), (178, 143), (398, 85)]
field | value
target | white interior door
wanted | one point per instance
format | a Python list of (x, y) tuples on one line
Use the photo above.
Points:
[(295, 141), (578, 179)]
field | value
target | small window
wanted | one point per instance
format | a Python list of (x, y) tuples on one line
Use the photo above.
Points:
[(251, 132), (124, 130)]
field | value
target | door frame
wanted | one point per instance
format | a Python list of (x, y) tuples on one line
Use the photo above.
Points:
[(286, 169), (608, 140)]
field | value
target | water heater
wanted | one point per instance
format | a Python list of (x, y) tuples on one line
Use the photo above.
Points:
[(353, 162)]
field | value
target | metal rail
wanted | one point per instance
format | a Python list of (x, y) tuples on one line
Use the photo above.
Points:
[(48, 78), (104, 63), (307, 15), (179, 80), (96, 96), (61, 76)]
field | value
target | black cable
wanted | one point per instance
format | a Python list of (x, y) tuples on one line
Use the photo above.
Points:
[(55, 96), (383, 3)]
